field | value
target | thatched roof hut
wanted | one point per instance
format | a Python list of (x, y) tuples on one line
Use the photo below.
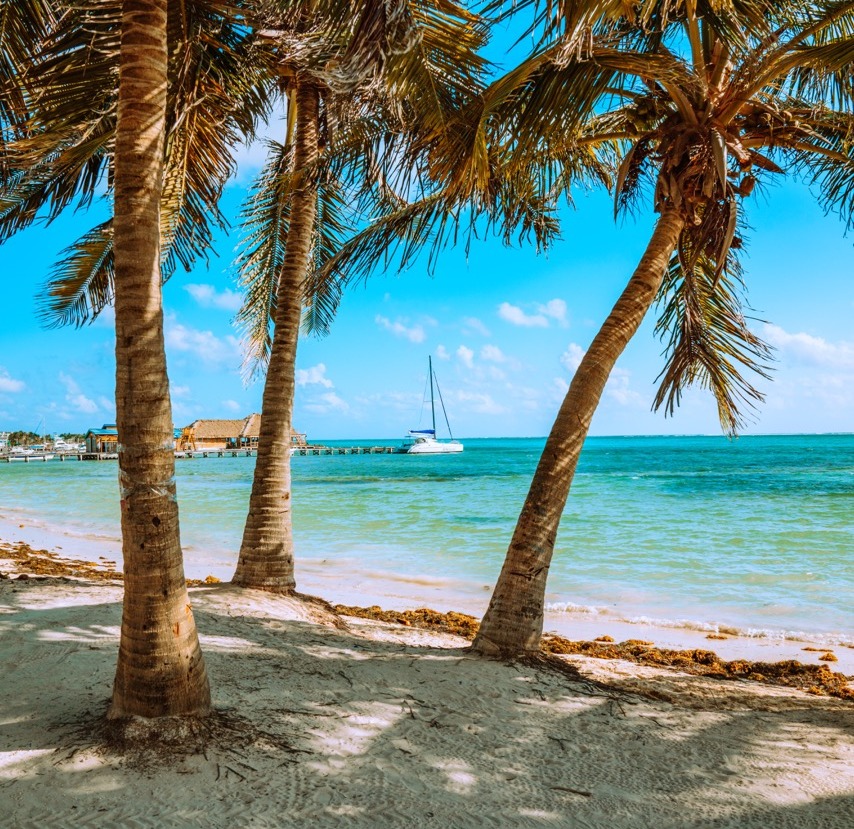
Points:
[(227, 434)]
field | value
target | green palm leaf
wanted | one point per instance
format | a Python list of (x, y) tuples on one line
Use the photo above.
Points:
[(82, 283)]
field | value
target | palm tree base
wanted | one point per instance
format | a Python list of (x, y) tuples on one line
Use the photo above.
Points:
[(145, 734), (272, 584), (483, 646), (280, 589)]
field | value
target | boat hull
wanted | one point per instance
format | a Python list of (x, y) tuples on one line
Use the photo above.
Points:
[(435, 448)]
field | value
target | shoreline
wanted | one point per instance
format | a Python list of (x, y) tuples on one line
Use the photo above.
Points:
[(321, 577), (48, 570), (440, 539)]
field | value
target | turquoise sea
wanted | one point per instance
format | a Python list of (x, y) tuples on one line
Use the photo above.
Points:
[(754, 534)]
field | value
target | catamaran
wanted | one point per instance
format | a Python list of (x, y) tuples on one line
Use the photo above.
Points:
[(424, 441)]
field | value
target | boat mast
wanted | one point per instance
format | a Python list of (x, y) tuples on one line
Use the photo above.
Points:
[(432, 405)]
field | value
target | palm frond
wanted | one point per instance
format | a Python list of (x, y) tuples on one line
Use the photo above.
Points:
[(332, 229), (81, 284), (709, 343), (259, 262), (219, 85), (398, 237), (828, 167)]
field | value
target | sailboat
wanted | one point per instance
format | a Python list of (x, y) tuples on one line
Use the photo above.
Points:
[(424, 441)]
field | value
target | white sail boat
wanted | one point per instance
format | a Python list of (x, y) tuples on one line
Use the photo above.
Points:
[(424, 441)]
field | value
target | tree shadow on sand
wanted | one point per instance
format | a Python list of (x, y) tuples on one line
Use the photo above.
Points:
[(377, 726)]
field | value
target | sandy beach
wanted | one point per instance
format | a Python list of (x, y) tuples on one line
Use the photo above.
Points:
[(372, 724)]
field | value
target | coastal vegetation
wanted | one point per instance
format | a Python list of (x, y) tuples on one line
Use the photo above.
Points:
[(686, 106)]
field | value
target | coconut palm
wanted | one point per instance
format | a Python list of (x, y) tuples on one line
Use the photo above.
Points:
[(160, 669), (98, 102), (358, 77), (705, 100), (693, 103)]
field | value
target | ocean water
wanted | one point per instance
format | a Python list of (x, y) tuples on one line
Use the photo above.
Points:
[(754, 535)]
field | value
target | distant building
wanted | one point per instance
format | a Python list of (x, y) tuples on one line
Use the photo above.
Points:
[(103, 441), (226, 434), (4, 440)]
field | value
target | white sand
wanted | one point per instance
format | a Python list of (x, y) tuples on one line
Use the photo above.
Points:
[(389, 727)]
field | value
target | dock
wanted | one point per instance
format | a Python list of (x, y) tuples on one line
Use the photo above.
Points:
[(297, 450), (214, 453)]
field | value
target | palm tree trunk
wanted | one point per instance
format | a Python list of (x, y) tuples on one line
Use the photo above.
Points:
[(267, 550), (513, 622), (160, 669)]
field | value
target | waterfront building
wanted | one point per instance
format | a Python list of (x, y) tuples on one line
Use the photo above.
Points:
[(103, 441), (202, 435)]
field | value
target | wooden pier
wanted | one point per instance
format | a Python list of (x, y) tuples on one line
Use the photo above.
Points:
[(216, 453), (300, 450)]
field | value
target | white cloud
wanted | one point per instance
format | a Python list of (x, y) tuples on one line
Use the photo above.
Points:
[(75, 397), (620, 391), (250, 157), (210, 349), (10, 384), (556, 309), (314, 376), (398, 401), (572, 357), (208, 297), (414, 334), (815, 369), (179, 391), (516, 316), (231, 405), (809, 349), (493, 354), (465, 355), (474, 325), (479, 403), (326, 403), (442, 353), (107, 405)]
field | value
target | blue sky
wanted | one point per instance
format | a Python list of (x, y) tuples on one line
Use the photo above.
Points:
[(505, 326), (505, 329)]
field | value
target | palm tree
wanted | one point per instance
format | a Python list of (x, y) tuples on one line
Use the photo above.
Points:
[(94, 105), (160, 671), (704, 100), (358, 78)]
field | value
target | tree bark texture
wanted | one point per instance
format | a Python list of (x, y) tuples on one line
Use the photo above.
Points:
[(266, 557), (513, 623), (160, 669)]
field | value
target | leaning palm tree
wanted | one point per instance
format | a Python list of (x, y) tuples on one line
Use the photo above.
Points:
[(705, 100), (107, 84), (358, 78)]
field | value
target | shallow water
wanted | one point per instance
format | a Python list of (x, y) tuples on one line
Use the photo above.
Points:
[(752, 535)]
